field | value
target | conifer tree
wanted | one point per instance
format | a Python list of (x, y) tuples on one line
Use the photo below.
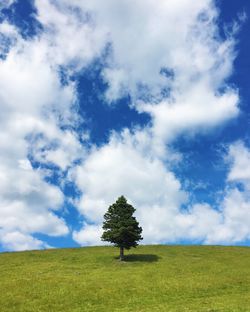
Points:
[(120, 226)]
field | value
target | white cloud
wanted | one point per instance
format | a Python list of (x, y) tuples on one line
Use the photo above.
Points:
[(231, 223), (34, 107), (73, 40), (90, 235), (120, 167), (6, 3), (27, 201), (180, 36), (198, 109), (145, 39), (18, 241), (239, 157), (235, 226), (198, 222), (235, 207)]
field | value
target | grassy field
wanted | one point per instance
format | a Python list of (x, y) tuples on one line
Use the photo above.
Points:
[(153, 278)]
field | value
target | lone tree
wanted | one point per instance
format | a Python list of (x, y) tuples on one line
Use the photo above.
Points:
[(120, 227)]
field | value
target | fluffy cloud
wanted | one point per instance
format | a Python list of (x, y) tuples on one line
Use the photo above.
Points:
[(89, 235), (6, 3), (37, 115), (197, 110), (239, 157), (72, 38), (235, 207), (230, 223), (118, 168), (26, 200), (151, 41), (18, 241), (235, 226), (177, 75)]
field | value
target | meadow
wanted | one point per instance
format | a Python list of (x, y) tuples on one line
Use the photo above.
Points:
[(153, 278)]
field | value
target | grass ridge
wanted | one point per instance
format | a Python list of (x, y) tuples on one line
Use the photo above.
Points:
[(153, 278)]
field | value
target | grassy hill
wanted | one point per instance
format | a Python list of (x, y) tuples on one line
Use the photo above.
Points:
[(153, 278)]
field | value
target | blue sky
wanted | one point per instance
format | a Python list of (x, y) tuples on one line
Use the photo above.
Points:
[(103, 98)]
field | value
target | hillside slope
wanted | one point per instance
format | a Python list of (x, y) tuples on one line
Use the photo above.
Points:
[(154, 278)]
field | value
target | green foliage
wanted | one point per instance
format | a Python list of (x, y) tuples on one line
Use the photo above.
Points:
[(153, 278), (120, 226)]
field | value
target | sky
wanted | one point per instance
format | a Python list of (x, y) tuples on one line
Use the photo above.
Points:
[(146, 99)]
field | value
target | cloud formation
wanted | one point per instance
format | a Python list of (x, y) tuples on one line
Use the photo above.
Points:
[(176, 75), (6, 3), (118, 168), (37, 115)]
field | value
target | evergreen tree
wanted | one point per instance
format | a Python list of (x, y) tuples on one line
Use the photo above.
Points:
[(120, 226)]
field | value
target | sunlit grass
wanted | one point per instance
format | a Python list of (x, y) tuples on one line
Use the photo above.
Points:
[(153, 278)]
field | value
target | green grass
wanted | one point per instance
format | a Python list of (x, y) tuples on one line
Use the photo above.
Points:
[(153, 278)]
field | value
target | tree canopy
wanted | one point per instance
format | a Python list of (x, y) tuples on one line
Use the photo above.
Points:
[(120, 226)]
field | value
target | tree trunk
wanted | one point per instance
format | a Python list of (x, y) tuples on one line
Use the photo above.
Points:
[(121, 253)]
